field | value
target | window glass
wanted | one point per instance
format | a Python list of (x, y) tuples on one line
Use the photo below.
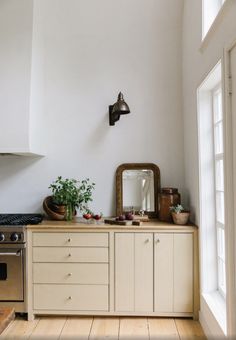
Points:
[(220, 207), (219, 175), (219, 137), (219, 185), (210, 9)]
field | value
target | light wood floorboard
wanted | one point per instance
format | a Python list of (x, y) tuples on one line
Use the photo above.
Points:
[(162, 329), (98, 328), (77, 328), (48, 326), (134, 328), (19, 329), (105, 328), (189, 330)]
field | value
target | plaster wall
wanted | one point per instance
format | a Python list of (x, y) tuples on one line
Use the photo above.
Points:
[(89, 51)]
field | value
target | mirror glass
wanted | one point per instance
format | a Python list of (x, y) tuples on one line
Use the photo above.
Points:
[(138, 190)]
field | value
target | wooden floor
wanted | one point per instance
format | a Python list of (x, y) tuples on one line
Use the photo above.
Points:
[(104, 328), (6, 316)]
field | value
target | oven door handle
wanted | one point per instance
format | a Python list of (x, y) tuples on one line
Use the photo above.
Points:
[(15, 253)]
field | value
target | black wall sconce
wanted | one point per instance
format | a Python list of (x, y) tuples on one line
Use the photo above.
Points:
[(117, 109)]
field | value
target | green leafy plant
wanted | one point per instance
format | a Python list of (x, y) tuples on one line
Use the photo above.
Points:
[(177, 208), (72, 193)]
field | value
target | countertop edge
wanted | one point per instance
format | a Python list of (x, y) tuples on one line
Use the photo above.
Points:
[(152, 225)]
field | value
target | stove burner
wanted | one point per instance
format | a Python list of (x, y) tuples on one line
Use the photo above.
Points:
[(20, 219)]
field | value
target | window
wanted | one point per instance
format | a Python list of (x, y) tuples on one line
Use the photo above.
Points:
[(212, 196), (219, 185), (210, 9)]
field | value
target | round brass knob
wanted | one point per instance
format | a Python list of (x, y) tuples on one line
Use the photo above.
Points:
[(70, 298), (69, 239), (70, 274), (69, 255), (157, 241)]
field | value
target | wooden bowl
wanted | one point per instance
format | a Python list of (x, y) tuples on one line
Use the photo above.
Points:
[(48, 208)]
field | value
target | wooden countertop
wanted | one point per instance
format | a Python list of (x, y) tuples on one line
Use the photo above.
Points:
[(80, 224)]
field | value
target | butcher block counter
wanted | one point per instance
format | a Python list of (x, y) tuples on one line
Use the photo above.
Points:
[(77, 268), (79, 223)]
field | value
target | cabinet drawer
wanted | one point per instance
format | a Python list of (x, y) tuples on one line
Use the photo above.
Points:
[(71, 297), (70, 239), (56, 254), (70, 273)]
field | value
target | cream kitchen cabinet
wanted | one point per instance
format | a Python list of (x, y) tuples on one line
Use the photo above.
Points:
[(161, 283), (69, 272), (149, 270)]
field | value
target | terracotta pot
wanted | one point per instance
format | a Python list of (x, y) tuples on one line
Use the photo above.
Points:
[(180, 218)]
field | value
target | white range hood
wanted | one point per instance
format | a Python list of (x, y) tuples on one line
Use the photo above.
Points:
[(20, 80)]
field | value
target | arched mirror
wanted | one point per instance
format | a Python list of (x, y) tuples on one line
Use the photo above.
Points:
[(137, 188)]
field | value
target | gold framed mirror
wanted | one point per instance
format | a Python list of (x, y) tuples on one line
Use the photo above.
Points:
[(137, 188)]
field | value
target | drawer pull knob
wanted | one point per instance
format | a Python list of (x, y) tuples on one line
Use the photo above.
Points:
[(69, 255), (70, 298), (69, 239), (147, 240), (70, 274), (158, 241)]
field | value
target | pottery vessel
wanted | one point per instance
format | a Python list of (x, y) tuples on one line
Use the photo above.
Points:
[(180, 218)]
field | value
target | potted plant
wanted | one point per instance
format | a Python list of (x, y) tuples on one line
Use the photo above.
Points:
[(179, 214), (67, 196)]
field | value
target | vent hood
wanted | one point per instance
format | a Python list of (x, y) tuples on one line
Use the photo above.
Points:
[(20, 80)]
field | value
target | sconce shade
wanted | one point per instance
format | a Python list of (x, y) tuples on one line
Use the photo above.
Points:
[(117, 109), (120, 106)]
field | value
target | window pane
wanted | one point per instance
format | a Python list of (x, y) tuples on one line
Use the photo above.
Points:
[(221, 243), (220, 207), (219, 138), (221, 275), (220, 175), (217, 106)]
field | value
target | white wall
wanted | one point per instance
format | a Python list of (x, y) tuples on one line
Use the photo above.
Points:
[(91, 50)]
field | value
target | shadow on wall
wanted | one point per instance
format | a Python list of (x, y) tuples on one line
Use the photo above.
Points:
[(12, 165), (187, 203), (98, 135)]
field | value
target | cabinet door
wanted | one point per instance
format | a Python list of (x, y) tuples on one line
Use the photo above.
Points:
[(124, 272), (173, 272), (143, 272), (134, 272), (183, 273), (163, 272)]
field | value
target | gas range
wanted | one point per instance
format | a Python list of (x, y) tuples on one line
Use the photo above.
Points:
[(12, 227), (13, 259)]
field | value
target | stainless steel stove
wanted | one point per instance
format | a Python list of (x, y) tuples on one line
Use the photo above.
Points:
[(13, 258)]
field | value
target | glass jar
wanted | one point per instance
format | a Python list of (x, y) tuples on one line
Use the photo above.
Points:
[(167, 198)]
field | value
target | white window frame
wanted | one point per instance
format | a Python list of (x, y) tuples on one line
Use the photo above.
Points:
[(212, 302), (219, 225)]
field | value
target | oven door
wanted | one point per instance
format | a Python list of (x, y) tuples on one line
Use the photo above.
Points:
[(11, 274)]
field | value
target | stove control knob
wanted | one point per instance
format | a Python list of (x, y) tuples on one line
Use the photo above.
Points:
[(2, 237), (14, 237)]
